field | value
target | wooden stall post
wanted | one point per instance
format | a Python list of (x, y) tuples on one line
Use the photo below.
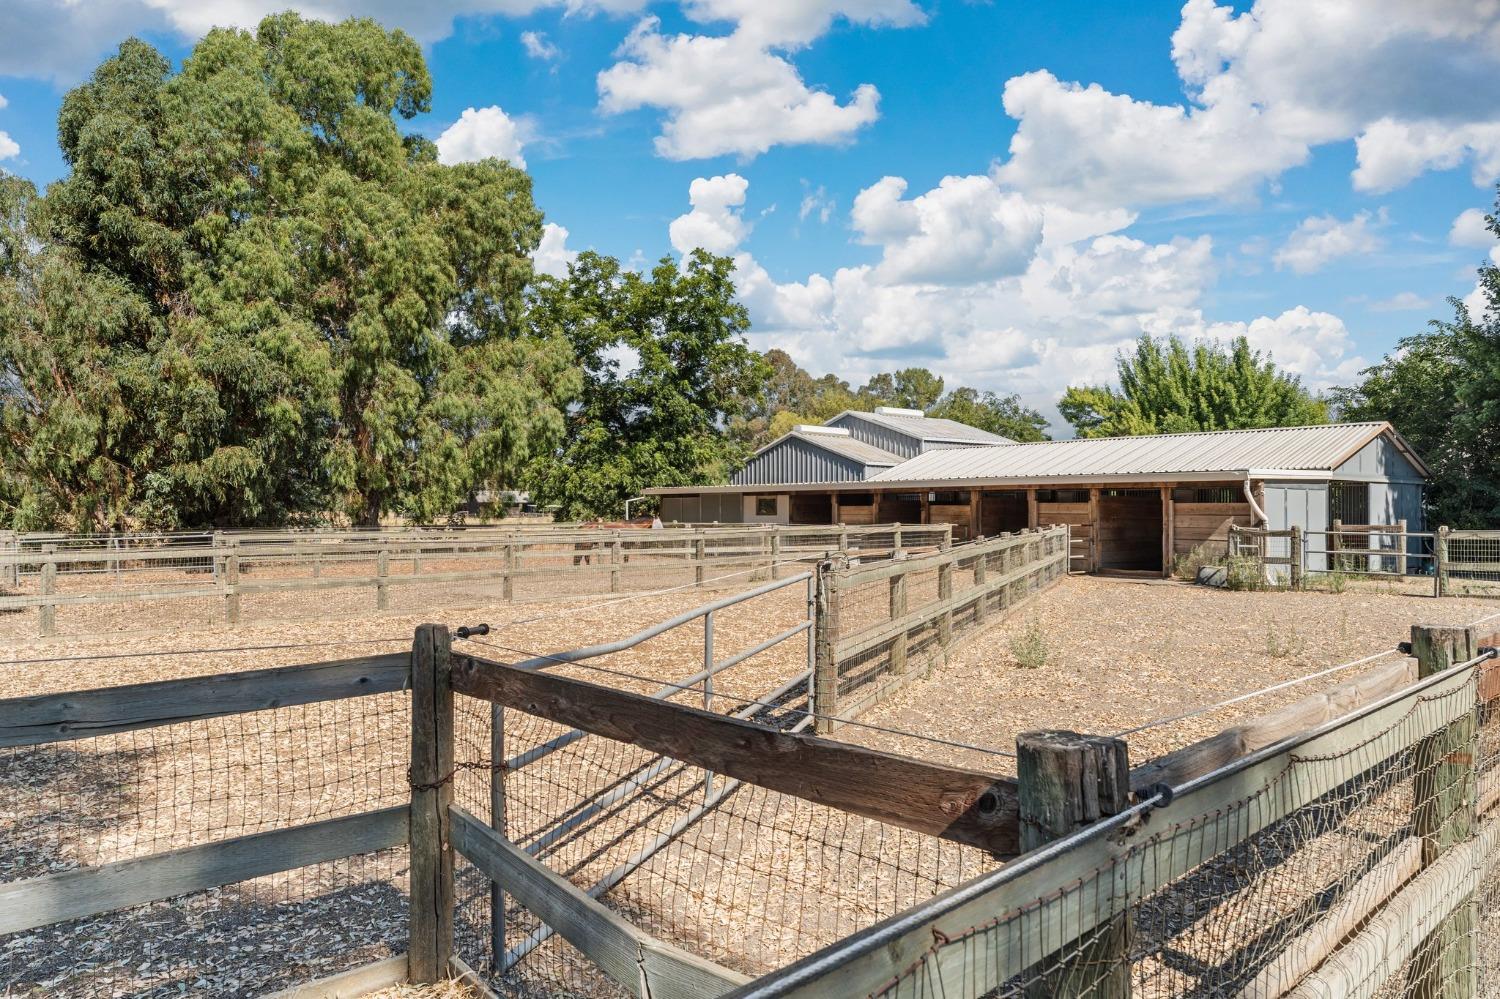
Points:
[(508, 578), (945, 594), (981, 581), (1032, 514), (700, 555), (48, 609), (1445, 816), (431, 776), (898, 611), (895, 537), (1440, 561), (1068, 781), (216, 549), (232, 583), (776, 554), (1295, 555), (1335, 543), (825, 662), (497, 823), (1401, 547), (614, 563), (1168, 531), (946, 541), (382, 569)]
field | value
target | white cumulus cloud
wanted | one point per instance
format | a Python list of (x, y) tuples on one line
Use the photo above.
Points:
[(726, 95), (716, 222), (1470, 229), (481, 133), (9, 148), (1318, 240), (552, 255)]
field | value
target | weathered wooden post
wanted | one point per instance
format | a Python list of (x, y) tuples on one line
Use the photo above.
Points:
[(614, 563), (776, 555), (431, 776), (1068, 781), (946, 541), (1440, 560), (826, 635), (700, 556), (232, 584), (945, 597), (896, 537), (216, 556), (508, 577), (1401, 547), (49, 587), (981, 581), (497, 823), (12, 548), (382, 570), (1335, 545), (898, 611), (1445, 816), (1295, 556)]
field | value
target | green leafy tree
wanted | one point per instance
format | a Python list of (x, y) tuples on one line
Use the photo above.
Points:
[(909, 388), (1167, 386), (666, 371), (999, 414), (1437, 390), (254, 297)]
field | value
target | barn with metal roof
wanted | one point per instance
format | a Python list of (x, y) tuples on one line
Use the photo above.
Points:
[(1133, 502)]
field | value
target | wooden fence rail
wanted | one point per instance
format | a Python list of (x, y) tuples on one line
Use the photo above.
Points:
[(231, 568), (985, 575)]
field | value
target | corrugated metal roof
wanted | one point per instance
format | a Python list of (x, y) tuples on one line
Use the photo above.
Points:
[(1320, 448), (928, 428), (849, 447)]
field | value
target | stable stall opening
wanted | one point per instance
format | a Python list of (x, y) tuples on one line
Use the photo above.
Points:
[(1002, 512), (1130, 530), (812, 508), (900, 508)]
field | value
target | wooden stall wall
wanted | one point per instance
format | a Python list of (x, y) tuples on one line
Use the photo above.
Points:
[(1206, 523), (1077, 516)]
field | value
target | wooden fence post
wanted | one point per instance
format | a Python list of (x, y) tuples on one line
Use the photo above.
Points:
[(382, 569), (1068, 781), (216, 547), (700, 555), (497, 823), (946, 541), (614, 564), (13, 549), (1335, 544), (843, 538), (896, 536), (776, 555), (1401, 547), (981, 581), (898, 611), (431, 775), (232, 583), (49, 587), (1440, 560), (826, 636), (1295, 556), (508, 577), (1445, 816), (945, 593)]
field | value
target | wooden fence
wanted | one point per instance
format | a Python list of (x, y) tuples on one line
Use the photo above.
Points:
[(1459, 563), (234, 580), (881, 626)]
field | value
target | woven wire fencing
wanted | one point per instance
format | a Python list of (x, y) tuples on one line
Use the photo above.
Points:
[(743, 876), (77, 804), (1472, 563), (1360, 862), (152, 583), (895, 620)]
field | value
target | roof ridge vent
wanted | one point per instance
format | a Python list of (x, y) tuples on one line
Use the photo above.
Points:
[(897, 411), (817, 428)]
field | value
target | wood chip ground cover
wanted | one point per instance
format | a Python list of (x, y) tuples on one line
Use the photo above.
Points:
[(757, 882)]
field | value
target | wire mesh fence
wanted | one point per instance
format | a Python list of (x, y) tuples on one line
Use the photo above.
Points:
[(78, 805), (1358, 859)]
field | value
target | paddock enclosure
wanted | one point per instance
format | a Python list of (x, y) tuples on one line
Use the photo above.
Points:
[(748, 810)]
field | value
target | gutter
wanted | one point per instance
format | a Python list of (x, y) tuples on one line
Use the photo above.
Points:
[(1260, 515)]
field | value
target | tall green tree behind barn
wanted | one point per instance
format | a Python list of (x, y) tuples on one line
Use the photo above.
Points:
[(1439, 390), (1168, 386), (254, 297), (667, 371)]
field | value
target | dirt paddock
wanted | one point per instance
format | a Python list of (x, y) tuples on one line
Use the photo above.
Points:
[(1120, 653)]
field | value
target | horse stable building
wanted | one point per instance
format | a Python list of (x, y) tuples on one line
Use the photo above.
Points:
[(1137, 502)]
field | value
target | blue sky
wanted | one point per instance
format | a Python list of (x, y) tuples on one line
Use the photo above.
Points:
[(1006, 192)]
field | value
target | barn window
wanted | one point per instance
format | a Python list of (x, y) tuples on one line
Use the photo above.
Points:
[(1349, 502), (856, 499), (1062, 495), (1208, 494), (949, 498), (765, 506)]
